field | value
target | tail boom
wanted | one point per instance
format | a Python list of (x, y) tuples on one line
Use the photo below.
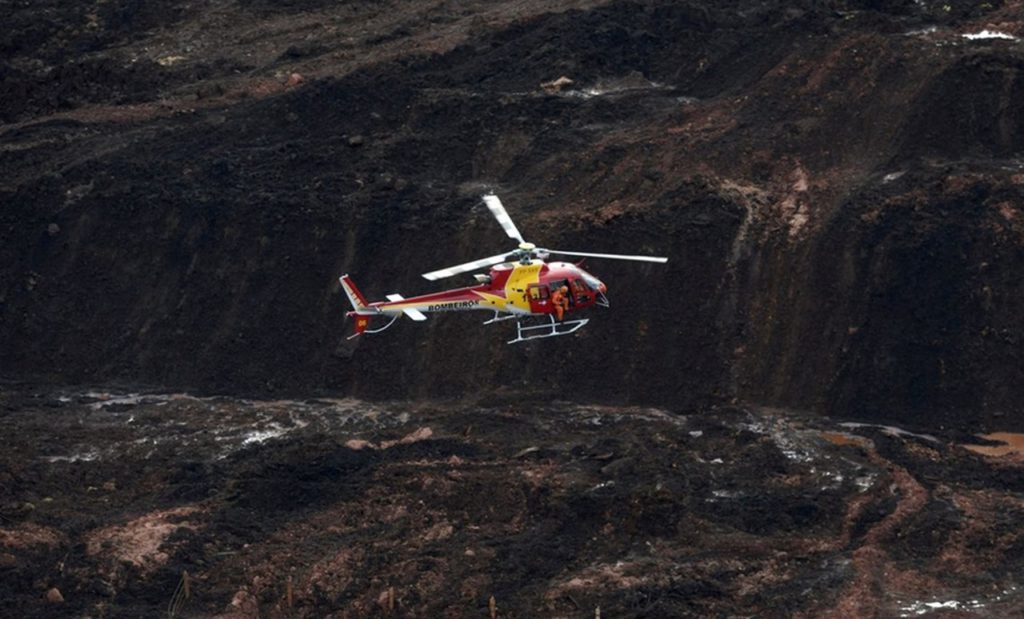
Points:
[(416, 308)]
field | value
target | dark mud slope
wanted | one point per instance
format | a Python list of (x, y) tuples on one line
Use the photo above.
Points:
[(838, 190)]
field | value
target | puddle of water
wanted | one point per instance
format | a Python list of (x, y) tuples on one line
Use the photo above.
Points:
[(864, 482), (917, 32), (727, 494), (1012, 444), (922, 608), (218, 424), (989, 34), (612, 87), (987, 601), (107, 399), (259, 436), (85, 456), (890, 430)]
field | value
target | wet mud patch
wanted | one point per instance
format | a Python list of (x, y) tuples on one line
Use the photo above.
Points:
[(1005, 444), (552, 508), (927, 533), (297, 476)]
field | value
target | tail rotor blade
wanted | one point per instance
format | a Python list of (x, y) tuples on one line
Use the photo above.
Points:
[(465, 267), (496, 208), (657, 259)]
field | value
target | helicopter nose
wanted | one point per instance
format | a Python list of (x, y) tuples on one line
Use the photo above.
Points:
[(602, 288)]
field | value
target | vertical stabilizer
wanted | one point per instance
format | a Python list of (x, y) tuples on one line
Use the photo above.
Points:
[(355, 297)]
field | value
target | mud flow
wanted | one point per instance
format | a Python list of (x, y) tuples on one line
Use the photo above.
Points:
[(813, 409), (343, 508)]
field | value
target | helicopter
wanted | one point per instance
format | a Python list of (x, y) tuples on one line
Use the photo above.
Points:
[(520, 284)]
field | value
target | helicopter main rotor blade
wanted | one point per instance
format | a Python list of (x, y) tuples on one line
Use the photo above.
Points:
[(496, 208), (657, 259), (465, 267)]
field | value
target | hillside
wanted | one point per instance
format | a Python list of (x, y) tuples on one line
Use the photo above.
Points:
[(836, 185)]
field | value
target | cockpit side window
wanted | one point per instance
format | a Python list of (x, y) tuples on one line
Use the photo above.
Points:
[(558, 284)]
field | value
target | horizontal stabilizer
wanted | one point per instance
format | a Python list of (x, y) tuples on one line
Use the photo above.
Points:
[(415, 314)]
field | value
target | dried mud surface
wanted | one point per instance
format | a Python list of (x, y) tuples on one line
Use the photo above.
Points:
[(554, 509)]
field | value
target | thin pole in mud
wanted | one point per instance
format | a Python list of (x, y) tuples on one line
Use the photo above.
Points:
[(181, 593), (493, 605), (289, 595), (597, 613)]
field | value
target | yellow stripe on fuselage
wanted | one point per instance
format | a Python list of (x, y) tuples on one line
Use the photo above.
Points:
[(515, 300), (519, 279), (492, 301)]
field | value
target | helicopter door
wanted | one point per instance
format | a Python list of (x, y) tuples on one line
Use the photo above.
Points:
[(538, 296), (570, 296)]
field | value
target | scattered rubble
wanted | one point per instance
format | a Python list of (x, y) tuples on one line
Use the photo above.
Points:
[(549, 508), (557, 85)]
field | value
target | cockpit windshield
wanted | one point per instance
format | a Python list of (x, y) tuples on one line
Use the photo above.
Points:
[(593, 282)]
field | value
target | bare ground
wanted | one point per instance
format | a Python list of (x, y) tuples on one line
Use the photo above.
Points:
[(554, 509)]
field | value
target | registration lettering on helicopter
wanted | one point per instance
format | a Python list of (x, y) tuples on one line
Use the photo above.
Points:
[(452, 306)]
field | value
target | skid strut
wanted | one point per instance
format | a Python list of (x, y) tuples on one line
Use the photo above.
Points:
[(498, 318), (551, 329)]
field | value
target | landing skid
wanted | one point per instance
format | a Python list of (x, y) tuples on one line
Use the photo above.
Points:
[(498, 318), (551, 329)]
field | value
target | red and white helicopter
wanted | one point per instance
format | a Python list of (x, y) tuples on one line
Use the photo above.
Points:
[(525, 285)]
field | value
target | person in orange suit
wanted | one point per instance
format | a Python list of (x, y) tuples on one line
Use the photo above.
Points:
[(560, 301)]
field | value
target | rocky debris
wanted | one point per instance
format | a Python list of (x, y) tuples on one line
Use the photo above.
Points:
[(53, 596), (140, 542), (104, 588), (842, 242), (28, 534), (421, 434), (557, 85), (242, 605), (356, 444), (550, 508)]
